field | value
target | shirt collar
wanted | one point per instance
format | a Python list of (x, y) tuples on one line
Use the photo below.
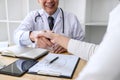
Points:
[(54, 15)]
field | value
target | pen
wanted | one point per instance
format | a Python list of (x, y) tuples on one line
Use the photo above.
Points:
[(53, 60)]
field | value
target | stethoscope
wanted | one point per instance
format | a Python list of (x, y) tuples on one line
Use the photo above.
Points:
[(62, 18)]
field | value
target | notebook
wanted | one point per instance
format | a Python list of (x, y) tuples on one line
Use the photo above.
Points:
[(2, 65), (23, 52), (57, 65)]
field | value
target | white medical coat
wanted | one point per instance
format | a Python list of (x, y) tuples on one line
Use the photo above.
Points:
[(72, 27)]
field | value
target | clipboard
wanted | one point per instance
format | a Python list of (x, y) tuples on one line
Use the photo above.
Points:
[(64, 67)]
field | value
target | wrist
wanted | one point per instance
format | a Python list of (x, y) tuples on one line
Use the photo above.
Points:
[(31, 35)]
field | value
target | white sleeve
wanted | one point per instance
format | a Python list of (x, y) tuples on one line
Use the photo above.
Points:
[(105, 63), (24, 39), (21, 34), (82, 49)]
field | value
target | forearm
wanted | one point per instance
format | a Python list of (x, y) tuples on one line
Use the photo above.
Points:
[(82, 49)]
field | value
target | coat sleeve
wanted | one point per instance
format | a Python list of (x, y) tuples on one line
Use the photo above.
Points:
[(82, 49), (21, 34)]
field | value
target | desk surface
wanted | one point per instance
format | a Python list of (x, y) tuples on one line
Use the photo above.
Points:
[(8, 60)]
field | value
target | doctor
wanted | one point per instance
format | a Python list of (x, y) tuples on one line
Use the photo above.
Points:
[(63, 23)]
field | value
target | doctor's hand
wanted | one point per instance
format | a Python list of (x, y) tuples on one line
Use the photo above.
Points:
[(40, 41), (58, 49)]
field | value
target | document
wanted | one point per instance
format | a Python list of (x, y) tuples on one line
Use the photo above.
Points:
[(24, 52), (60, 65)]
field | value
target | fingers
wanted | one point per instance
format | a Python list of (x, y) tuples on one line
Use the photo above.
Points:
[(35, 34), (45, 39), (48, 34), (41, 38), (38, 33), (45, 33), (42, 42), (58, 49)]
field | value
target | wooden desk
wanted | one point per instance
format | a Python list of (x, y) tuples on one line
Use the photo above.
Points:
[(8, 60)]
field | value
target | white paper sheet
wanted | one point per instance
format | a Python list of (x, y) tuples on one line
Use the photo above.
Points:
[(63, 66)]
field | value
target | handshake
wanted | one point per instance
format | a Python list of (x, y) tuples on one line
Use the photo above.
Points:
[(46, 40)]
